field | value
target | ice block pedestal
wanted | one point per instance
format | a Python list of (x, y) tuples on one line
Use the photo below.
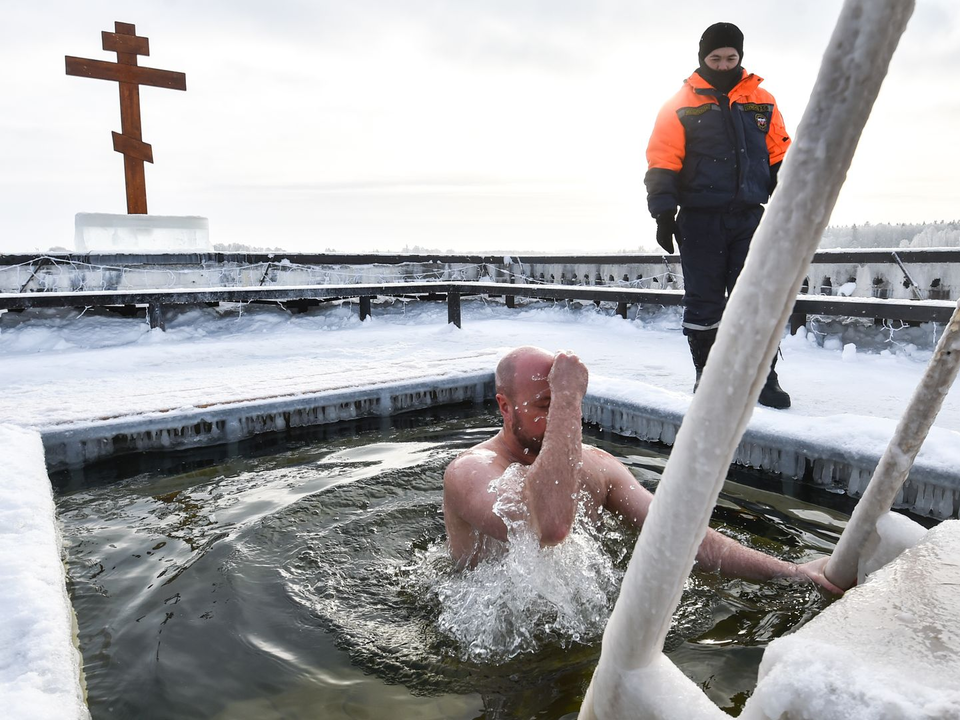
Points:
[(889, 648), (101, 232)]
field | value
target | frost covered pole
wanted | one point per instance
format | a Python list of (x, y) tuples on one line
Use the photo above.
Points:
[(630, 677), (898, 458)]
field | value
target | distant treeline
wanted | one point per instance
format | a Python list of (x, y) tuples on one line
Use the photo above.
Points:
[(886, 235), (868, 235), (241, 248)]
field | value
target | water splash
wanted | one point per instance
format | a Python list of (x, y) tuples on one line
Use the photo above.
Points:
[(523, 597)]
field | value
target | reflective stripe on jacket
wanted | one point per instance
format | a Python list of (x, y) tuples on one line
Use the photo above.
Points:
[(708, 155)]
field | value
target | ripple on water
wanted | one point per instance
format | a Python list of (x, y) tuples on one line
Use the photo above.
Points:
[(367, 560)]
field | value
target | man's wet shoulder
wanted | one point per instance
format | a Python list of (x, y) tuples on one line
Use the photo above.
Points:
[(478, 458), (595, 453)]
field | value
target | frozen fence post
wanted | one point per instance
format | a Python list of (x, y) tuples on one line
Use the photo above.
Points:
[(894, 466), (155, 316), (453, 308), (630, 677)]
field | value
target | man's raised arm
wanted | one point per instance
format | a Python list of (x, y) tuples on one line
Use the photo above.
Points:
[(553, 480)]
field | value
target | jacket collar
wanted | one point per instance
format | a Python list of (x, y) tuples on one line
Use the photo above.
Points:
[(748, 83)]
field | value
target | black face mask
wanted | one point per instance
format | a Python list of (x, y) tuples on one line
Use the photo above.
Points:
[(722, 80)]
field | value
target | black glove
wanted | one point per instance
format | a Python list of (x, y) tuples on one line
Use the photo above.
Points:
[(774, 171), (667, 230)]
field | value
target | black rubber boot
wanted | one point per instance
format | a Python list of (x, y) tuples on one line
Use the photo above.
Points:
[(700, 342), (772, 395)]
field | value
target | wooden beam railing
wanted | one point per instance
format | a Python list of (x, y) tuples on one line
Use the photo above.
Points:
[(300, 295), (927, 271)]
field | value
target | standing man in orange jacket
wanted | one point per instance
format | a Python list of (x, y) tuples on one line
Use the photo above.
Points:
[(715, 152)]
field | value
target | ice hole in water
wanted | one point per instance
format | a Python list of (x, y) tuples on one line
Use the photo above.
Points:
[(306, 571)]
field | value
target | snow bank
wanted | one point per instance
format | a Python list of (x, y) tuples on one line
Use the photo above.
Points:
[(889, 649), (893, 534), (39, 665)]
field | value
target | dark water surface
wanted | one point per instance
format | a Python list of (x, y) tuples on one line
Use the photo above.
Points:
[(299, 577)]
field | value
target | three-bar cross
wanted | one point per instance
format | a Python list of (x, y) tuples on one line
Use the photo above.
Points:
[(125, 71)]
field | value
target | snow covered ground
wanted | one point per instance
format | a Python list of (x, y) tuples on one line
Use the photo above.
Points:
[(38, 661), (57, 368), (62, 368)]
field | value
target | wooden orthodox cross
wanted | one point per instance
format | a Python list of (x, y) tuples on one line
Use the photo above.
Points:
[(125, 71)]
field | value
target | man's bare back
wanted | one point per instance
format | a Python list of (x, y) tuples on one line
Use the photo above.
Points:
[(539, 396)]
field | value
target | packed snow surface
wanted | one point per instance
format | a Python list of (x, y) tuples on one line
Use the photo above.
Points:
[(39, 665)]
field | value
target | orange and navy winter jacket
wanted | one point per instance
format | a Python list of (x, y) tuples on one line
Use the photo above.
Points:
[(714, 155)]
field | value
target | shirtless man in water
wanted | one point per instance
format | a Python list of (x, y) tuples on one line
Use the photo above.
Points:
[(539, 396)]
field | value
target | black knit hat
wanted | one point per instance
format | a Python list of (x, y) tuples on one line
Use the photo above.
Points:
[(720, 35)]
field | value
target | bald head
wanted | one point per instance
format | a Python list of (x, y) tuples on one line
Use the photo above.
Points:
[(525, 362)]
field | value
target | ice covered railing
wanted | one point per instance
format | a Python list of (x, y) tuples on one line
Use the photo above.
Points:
[(53, 273), (928, 273), (915, 273), (103, 272)]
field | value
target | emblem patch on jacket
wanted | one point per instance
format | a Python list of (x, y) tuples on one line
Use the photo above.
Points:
[(761, 121)]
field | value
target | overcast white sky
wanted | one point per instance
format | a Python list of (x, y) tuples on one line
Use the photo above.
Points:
[(463, 125)]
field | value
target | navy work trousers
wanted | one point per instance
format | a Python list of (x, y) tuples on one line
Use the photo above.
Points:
[(713, 248)]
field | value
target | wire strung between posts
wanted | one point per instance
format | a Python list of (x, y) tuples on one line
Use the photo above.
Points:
[(259, 274)]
